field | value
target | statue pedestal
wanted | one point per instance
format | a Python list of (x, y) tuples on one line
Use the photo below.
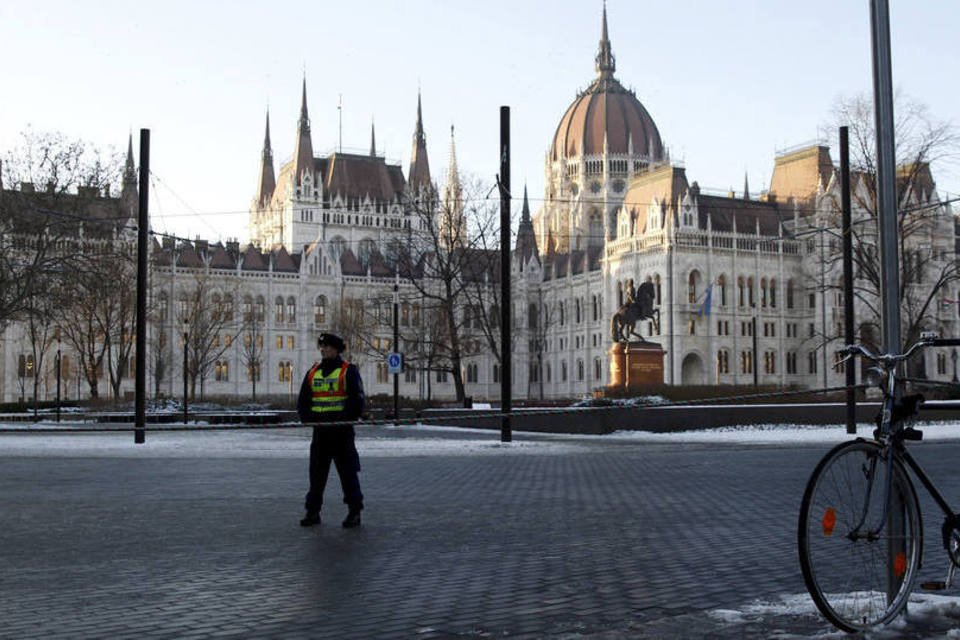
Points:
[(636, 365)]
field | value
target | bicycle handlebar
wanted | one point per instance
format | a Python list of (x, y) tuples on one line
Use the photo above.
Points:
[(888, 359)]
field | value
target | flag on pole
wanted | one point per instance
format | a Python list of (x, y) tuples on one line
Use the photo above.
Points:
[(707, 299)]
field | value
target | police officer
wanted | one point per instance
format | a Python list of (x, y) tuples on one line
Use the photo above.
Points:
[(332, 391)]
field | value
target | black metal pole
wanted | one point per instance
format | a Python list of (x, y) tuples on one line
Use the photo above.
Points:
[(756, 372), (140, 362), (396, 346), (886, 178), (58, 376), (505, 377), (887, 223), (847, 274), (186, 337)]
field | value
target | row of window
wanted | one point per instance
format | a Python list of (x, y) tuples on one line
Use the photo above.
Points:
[(254, 371), (546, 317)]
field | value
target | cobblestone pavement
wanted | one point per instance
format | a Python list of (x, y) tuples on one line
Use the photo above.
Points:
[(605, 540)]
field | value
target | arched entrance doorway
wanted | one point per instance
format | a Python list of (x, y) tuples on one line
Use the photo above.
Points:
[(692, 371)]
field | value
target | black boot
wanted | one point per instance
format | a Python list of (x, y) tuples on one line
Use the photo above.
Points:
[(353, 519), (312, 518)]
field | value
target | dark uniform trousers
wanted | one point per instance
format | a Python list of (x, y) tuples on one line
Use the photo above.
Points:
[(334, 443)]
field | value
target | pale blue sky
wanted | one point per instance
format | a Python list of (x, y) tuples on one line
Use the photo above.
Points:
[(727, 82)]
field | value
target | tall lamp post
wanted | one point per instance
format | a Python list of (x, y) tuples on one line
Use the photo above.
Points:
[(186, 337), (396, 344), (58, 372)]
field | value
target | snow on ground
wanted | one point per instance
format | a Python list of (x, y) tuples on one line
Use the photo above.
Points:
[(928, 616), (407, 440)]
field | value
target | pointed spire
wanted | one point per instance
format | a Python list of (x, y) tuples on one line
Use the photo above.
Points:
[(419, 174), (129, 190), (304, 117), (452, 171), (606, 64), (746, 187), (267, 180), (266, 137), (373, 140), (526, 237), (452, 225), (303, 154), (130, 169), (418, 132)]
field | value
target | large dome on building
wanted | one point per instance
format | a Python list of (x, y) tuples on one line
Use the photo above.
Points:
[(606, 110)]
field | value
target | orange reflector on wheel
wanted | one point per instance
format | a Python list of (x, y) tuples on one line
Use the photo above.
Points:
[(900, 564), (829, 521)]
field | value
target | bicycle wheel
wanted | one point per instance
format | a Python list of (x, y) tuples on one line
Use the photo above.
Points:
[(845, 539)]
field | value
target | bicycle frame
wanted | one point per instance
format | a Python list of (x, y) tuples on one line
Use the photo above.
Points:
[(892, 436)]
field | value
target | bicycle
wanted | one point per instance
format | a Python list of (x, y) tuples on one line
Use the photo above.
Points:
[(860, 534)]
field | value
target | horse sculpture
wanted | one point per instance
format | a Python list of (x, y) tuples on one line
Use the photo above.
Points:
[(627, 316)]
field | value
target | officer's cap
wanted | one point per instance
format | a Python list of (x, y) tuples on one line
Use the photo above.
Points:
[(333, 340)]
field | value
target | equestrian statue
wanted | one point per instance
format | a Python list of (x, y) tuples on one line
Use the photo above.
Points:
[(637, 307)]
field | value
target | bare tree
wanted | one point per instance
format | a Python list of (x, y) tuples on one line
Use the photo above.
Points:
[(251, 351), (449, 266), (61, 184), (209, 328), (925, 225)]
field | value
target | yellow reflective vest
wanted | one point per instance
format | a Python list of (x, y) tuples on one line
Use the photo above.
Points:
[(328, 393)]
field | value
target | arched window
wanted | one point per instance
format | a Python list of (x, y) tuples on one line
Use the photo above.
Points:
[(596, 229), (563, 371), (597, 369), (278, 310), (291, 309), (576, 306), (247, 308), (216, 304), (228, 308), (337, 246), (596, 307), (531, 316), (722, 285), (773, 293), (763, 292), (751, 299), (163, 306), (494, 316), (415, 314), (260, 308), (320, 310), (723, 361), (740, 291), (579, 370), (365, 251), (693, 283)]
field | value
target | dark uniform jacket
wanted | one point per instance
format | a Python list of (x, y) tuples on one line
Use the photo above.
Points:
[(354, 404)]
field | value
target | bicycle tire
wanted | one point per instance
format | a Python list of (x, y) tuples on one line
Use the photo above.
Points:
[(847, 577)]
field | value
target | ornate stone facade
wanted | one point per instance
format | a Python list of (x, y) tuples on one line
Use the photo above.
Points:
[(325, 232)]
